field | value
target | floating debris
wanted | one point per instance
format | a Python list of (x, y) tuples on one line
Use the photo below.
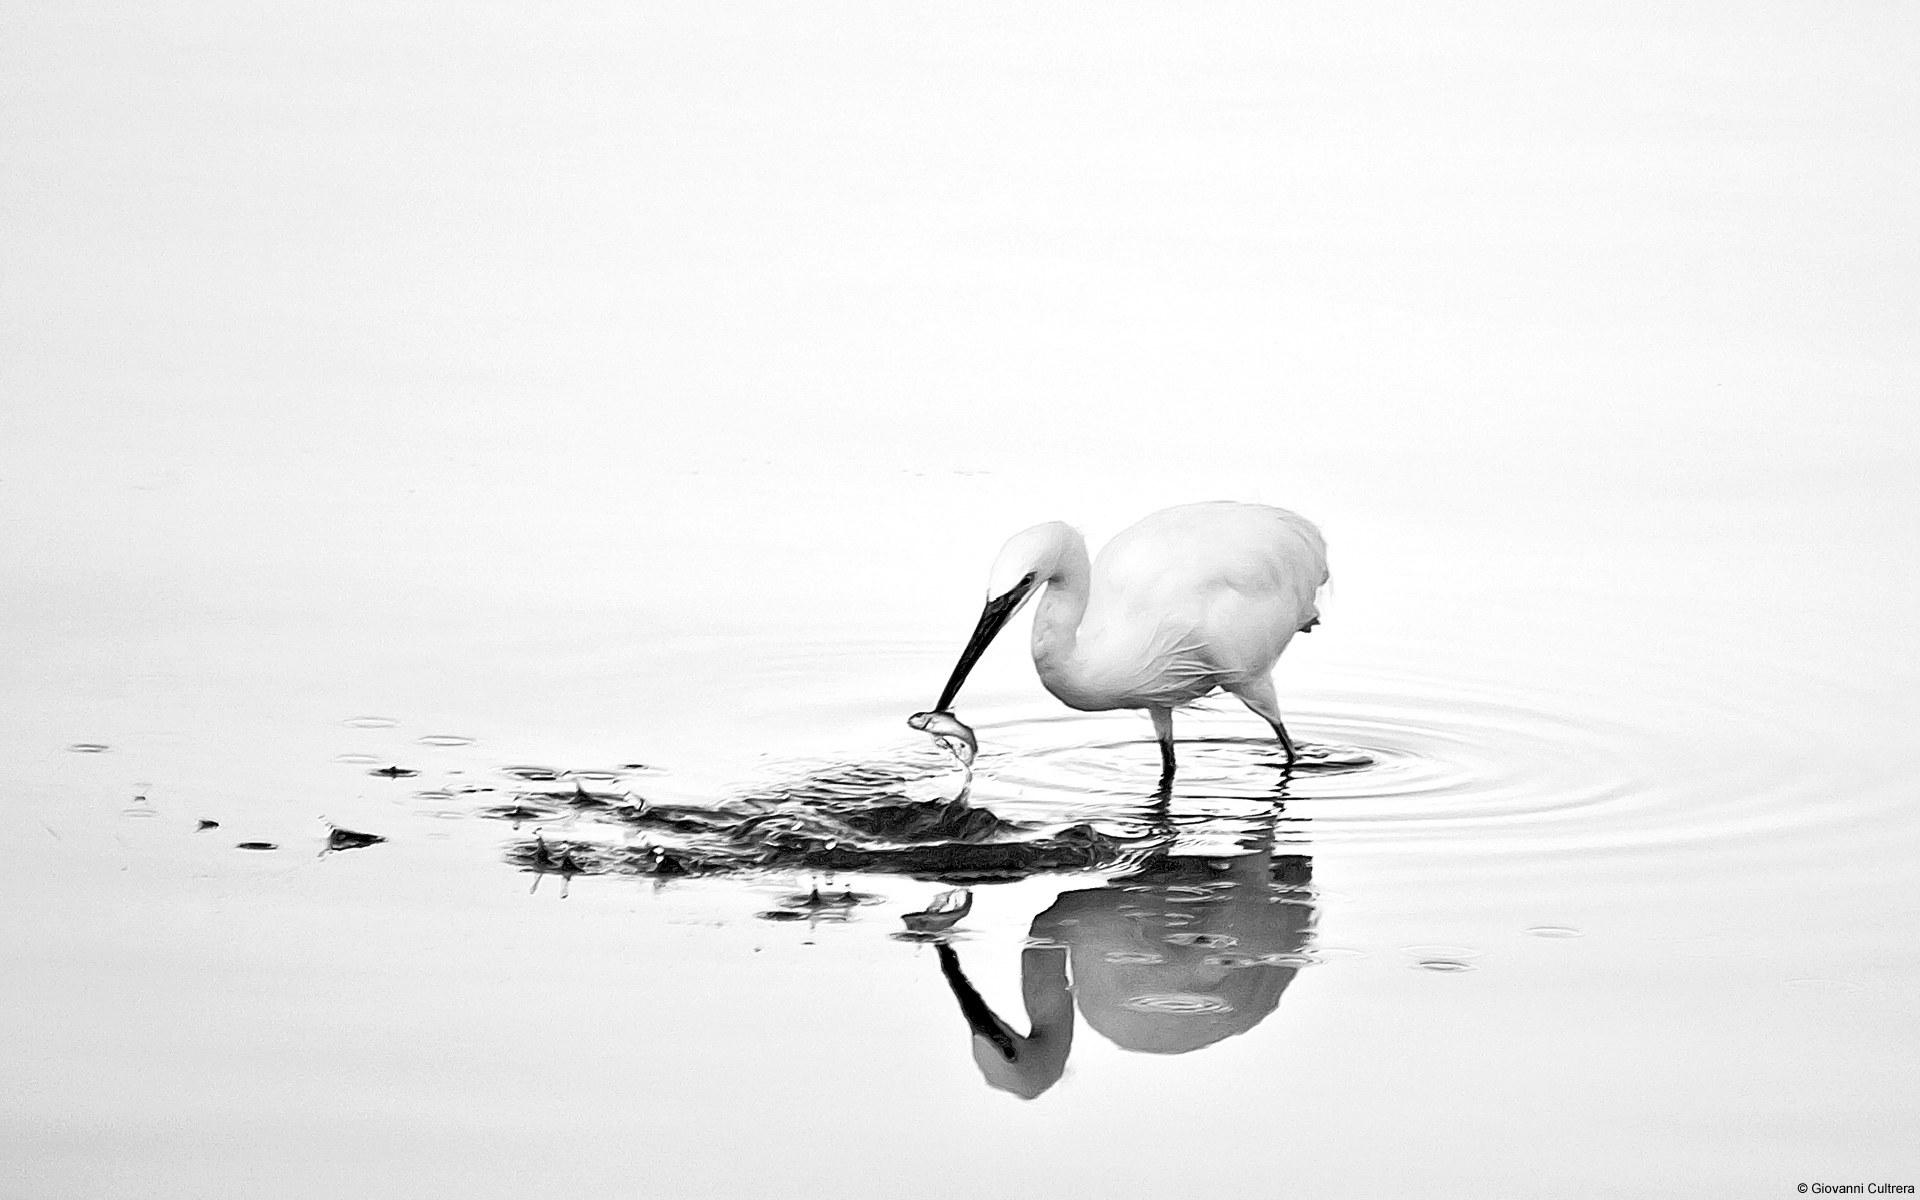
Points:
[(853, 817), (350, 839), (256, 846), (566, 861), (394, 772), (665, 863), (206, 825), (813, 899), (580, 797), (815, 907), (518, 811)]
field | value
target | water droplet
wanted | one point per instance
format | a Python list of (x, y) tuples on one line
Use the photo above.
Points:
[(370, 722), (1443, 965), (359, 759), (444, 739), (1554, 931), (88, 748)]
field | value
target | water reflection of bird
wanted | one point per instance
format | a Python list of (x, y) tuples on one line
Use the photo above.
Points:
[(1183, 953), (1186, 601)]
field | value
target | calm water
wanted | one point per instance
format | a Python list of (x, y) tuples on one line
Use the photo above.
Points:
[(569, 452)]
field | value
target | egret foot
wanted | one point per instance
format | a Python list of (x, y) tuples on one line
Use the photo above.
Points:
[(1286, 743)]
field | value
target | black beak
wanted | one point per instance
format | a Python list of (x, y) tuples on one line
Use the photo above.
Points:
[(980, 1018), (992, 618)]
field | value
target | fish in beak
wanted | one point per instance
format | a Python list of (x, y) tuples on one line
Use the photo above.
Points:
[(946, 728), (954, 735)]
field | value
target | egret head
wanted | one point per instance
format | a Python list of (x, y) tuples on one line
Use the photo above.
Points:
[(1036, 552), (1030, 558)]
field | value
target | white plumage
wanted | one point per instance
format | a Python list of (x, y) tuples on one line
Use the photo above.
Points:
[(1187, 600)]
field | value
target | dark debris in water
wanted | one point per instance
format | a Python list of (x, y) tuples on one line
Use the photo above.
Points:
[(518, 811), (395, 772), (560, 858), (818, 906), (782, 844), (351, 839), (256, 846), (580, 798), (1076, 848), (206, 825), (816, 899), (898, 821), (532, 774), (851, 817)]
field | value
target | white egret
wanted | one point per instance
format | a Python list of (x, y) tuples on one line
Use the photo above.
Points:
[(1188, 600)]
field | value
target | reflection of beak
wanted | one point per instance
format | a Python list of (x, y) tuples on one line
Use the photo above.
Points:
[(1025, 1066), (980, 1018), (992, 618)]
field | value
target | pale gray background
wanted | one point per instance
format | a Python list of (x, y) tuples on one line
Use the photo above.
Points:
[(657, 380)]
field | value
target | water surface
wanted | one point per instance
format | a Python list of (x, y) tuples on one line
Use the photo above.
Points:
[(566, 448)]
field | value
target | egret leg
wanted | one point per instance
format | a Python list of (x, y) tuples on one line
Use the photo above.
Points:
[(1163, 729), (1258, 696)]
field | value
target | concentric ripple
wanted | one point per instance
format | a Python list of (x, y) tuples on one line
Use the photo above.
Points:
[(1179, 1004), (1394, 762), (1372, 765)]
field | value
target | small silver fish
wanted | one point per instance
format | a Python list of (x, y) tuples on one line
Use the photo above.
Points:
[(943, 914), (950, 731)]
